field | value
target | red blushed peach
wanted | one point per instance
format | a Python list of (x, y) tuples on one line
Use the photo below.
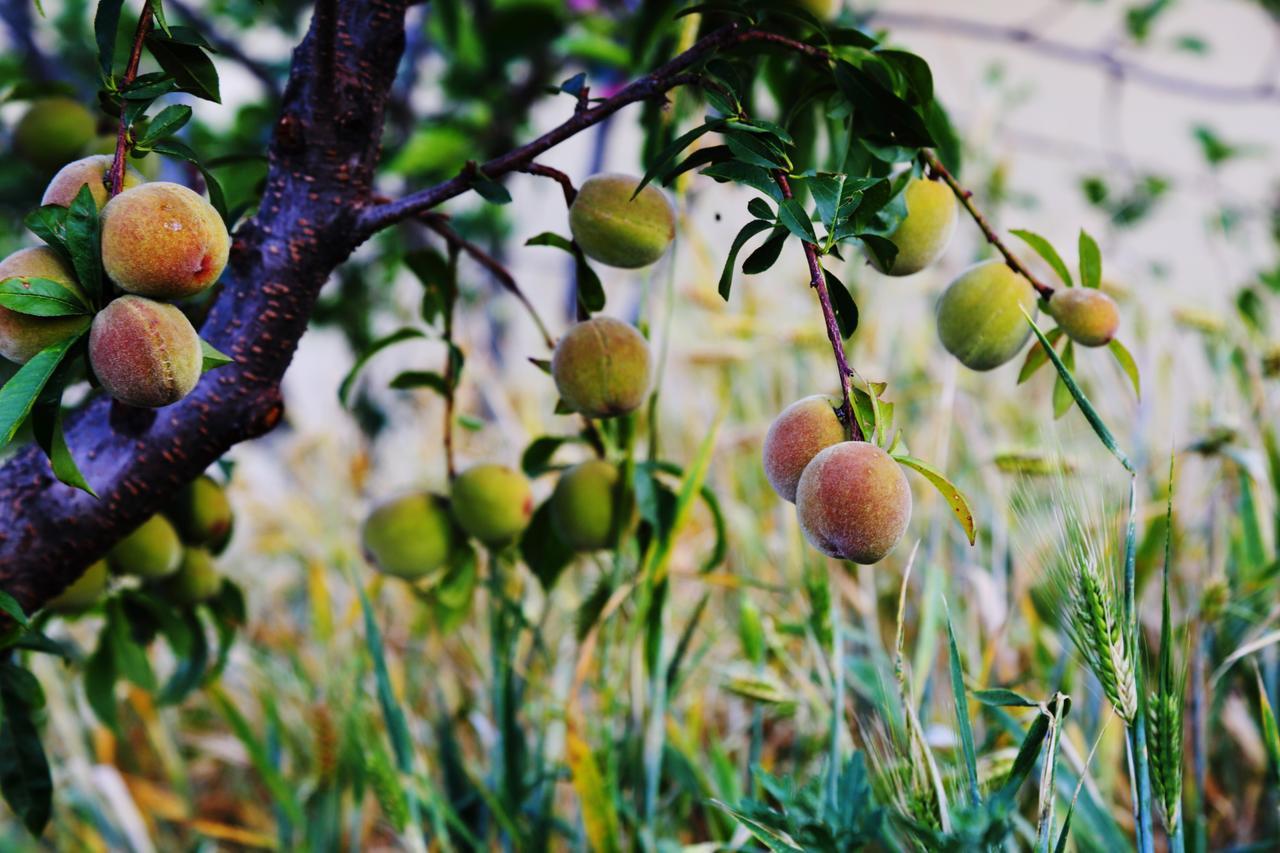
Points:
[(163, 241), (145, 353), (21, 335), (853, 502), (795, 437)]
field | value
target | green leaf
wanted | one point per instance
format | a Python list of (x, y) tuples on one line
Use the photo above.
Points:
[(1270, 728), (25, 779), (166, 123), (392, 714), (41, 297), (348, 381), (826, 190), (1045, 250), (747, 175), (191, 68), (748, 231), (489, 189), (1002, 697), (130, 657), (536, 459), (753, 149), (792, 214), (766, 254), (84, 245), (10, 606), (1130, 367), (668, 154), (212, 357), (18, 396), (846, 310), (1037, 357), (1061, 395), (281, 792), (542, 549), (100, 683), (1095, 421), (962, 712), (955, 500), (1090, 261), (106, 23), (884, 249), (411, 379), (46, 422), (590, 290), (157, 11)]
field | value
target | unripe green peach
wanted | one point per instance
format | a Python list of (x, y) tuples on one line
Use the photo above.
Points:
[(202, 514), (585, 507), (87, 171), (150, 552), (601, 368), (820, 9), (82, 594), (52, 131), (493, 503), (163, 241), (410, 537), (1087, 315), (615, 229), (105, 143), (196, 580), (804, 428), (22, 335), (145, 353), (980, 318), (923, 235), (853, 502)]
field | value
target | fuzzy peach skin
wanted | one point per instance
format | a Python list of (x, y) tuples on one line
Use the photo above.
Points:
[(87, 171), (1088, 316), (163, 241), (803, 429), (923, 235), (601, 368), (617, 230), (492, 503), (145, 353), (21, 335), (853, 502), (52, 131)]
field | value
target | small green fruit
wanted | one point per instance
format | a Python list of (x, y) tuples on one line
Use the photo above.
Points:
[(853, 502), (980, 315), (410, 537), (145, 353), (615, 229), (797, 435), (923, 235), (197, 579), (22, 335), (585, 508), (52, 131), (202, 514), (90, 172), (82, 594), (601, 368), (152, 551), (1087, 315), (163, 241), (492, 503)]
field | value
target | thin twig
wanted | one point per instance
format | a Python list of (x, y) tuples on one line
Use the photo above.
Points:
[(566, 184), (450, 375), (818, 281), (115, 181), (966, 199)]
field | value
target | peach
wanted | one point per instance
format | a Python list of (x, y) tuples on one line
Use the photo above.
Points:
[(145, 353), (52, 131), (617, 230), (163, 241), (202, 514), (410, 537), (803, 429), (22, 335), (585, 508), (152, 551), (980, 315), (492, 503), (196, 580), (923, 235), (853, 502), (87, 171), (1087, 316), (82, 594), (601, 368)]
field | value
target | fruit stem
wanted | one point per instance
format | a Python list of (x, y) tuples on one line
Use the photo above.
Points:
[(818, 281), (966, 199), (115, 183)]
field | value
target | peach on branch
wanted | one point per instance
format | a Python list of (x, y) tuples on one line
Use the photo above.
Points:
[(853, 502), (617, 230), (145, 353), (196, 580), (87, 171), (797, 435), (410, 537), (492, 503), (202, 514), (163, 241), (980, 315), (923, 234), (82, 594), (52, 131), (585, 508), (1087, 315), (601, 368), (22, 335), (150, 552)]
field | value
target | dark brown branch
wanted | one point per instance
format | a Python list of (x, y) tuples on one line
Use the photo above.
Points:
[(115, 182), (966, 199), (1104, 58), (566, 184), (818, 281)]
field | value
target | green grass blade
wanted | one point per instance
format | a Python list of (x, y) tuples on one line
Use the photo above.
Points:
[(962, 712)]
